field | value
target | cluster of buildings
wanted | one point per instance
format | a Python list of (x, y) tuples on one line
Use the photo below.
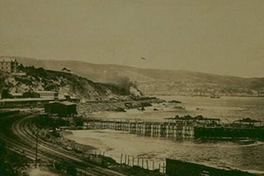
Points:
[(52, 102), (10, 65), (63, 105)]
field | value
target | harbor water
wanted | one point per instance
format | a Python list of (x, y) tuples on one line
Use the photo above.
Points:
[(237, 154)]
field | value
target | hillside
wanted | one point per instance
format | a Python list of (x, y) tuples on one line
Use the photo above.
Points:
[(64, 83), (155, 81)]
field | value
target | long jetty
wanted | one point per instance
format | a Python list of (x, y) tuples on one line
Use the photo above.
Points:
[(152, 129), (182, 127)]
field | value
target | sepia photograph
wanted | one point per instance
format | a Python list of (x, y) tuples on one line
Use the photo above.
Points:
[(131, 88)]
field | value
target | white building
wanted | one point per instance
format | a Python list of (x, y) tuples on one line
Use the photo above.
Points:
[(47, 94), (8, 65)]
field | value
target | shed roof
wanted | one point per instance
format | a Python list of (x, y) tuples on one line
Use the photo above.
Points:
[(25, 99), (66, 103), (45, 91), (16, 94)]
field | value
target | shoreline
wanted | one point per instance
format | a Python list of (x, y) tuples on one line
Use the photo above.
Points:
[(116, 106), (163, 148)]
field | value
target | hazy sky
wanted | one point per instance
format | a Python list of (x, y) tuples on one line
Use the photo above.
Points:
[(215, 36)]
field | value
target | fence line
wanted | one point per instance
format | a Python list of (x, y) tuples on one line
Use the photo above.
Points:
[(129, 160)]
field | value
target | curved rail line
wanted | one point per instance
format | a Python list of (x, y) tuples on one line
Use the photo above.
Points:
[(25, 141)]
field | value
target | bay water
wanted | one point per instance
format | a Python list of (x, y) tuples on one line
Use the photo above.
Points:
[(235, 154)]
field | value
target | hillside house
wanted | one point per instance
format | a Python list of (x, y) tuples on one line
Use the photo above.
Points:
[(66, 70)]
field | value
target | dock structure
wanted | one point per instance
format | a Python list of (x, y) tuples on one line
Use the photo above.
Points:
[(187, 127), (151, 129)]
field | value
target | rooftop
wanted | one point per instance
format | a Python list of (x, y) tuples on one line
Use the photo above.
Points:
[(8, 60), (16, 94), (67, 103), (25, 99), (45, 91)]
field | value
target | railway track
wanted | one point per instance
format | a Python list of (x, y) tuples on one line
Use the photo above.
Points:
[(24, 141)]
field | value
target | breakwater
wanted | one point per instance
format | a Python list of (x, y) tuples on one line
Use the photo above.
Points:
[(203, 128), (152, 129)]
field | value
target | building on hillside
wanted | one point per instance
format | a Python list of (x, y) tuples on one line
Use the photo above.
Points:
[(67, 97), (57, 97), (8, 65), (63, 109), (47, 94), (66, 70)]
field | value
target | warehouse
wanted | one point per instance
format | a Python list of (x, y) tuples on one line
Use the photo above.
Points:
[(23, 102), (62, 109)]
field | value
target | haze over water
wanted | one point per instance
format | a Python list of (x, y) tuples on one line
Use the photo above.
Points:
[(231, 108), (225, 108)]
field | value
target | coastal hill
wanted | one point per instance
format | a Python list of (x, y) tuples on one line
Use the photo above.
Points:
[(155, 81), (38, 79)]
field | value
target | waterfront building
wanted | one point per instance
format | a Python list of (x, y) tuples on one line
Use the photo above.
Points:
[(23, 102), (65, 108)]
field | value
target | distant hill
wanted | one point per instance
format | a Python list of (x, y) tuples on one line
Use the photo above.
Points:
[(155, 81)]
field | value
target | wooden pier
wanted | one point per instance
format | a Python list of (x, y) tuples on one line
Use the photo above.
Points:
[(183, 127), (152, 129)]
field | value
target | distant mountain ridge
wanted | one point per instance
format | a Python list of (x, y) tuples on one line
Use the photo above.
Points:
[(155, 81)]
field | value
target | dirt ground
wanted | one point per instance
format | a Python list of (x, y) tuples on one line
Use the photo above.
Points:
[(41, 172)]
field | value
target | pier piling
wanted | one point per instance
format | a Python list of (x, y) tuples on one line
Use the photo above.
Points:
[(153, 129)]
